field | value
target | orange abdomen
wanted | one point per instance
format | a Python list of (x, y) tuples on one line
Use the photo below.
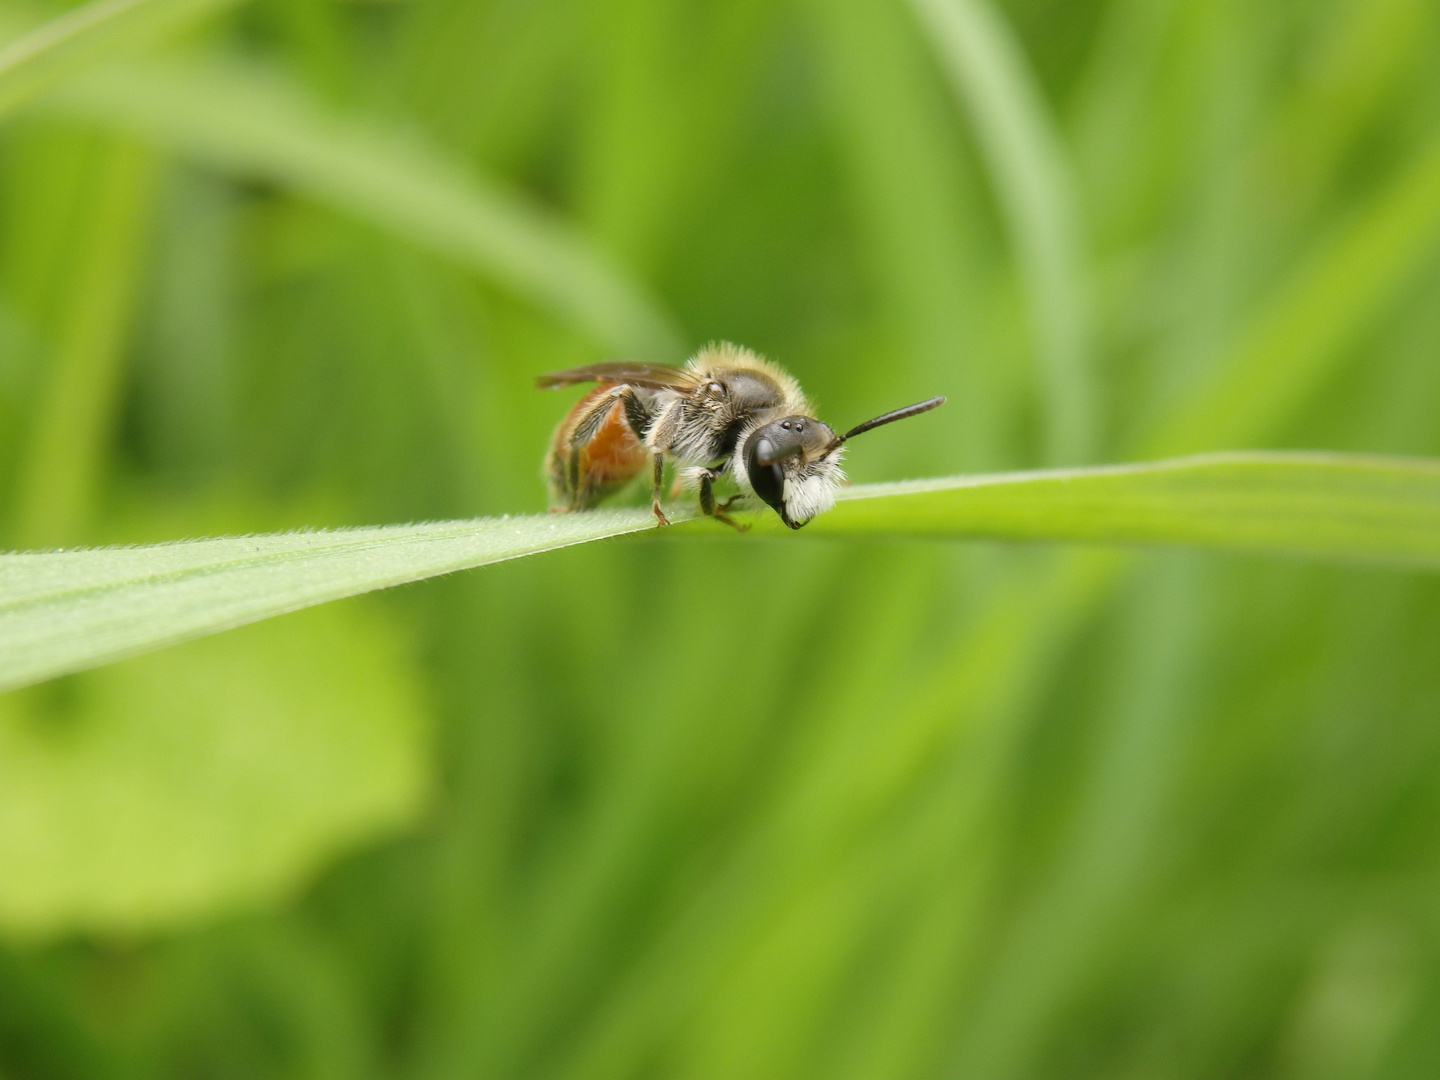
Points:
[(580, 477)]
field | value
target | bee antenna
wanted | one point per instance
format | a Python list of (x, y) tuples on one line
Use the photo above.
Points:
[(889, 418)]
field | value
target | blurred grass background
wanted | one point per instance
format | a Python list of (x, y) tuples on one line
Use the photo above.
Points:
[(778, 808)]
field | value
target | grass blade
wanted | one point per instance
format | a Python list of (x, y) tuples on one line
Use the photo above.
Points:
[(64, 611), (260, 125), (64, 46), (68, 610), (1332, 506), (1034, 184)]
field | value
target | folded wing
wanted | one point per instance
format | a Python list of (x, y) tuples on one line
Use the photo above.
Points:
[(630, 373)]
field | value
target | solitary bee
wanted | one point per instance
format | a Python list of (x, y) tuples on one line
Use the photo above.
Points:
[(727, 410)]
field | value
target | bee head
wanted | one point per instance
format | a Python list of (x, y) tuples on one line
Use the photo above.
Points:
[(793, 465)]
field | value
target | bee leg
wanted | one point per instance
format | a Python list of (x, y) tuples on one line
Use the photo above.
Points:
[(658, 478), (572, 477), (577, 488), (707, 502), (726, 519), (639, 413)]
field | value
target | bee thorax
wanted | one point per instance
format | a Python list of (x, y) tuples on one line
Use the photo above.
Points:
[(699, 435)]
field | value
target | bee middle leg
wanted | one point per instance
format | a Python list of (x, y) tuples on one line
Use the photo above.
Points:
[(708, 506)]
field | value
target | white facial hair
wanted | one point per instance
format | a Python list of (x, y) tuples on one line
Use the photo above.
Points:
[(814, 492)]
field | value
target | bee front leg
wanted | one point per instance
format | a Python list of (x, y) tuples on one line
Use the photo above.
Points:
[(658, 478), (659, 439), (707, 501)]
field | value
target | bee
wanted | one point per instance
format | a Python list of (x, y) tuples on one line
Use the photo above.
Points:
[(726, 411)]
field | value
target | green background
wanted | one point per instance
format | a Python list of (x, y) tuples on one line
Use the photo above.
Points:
[(754, 807)]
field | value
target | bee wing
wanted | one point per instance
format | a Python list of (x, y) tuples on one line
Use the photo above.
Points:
[(631, 373)]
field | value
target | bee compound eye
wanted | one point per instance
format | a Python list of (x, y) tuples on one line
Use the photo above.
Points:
[(767, 480), (715, 388)]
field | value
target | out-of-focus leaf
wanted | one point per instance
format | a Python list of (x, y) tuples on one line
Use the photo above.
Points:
[(916, 206), (74, 417), (1298, 338), (261, 125), (50, 53), (64, 611), (1034, 185), (214, 775)]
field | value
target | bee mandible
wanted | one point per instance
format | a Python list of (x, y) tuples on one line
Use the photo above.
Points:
[(727, 410)]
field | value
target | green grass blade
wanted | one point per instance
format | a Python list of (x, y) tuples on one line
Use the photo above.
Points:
[(64, 611), (261, 125), (64, 46), (68, 610), (1034, 184), (1332, 506)]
